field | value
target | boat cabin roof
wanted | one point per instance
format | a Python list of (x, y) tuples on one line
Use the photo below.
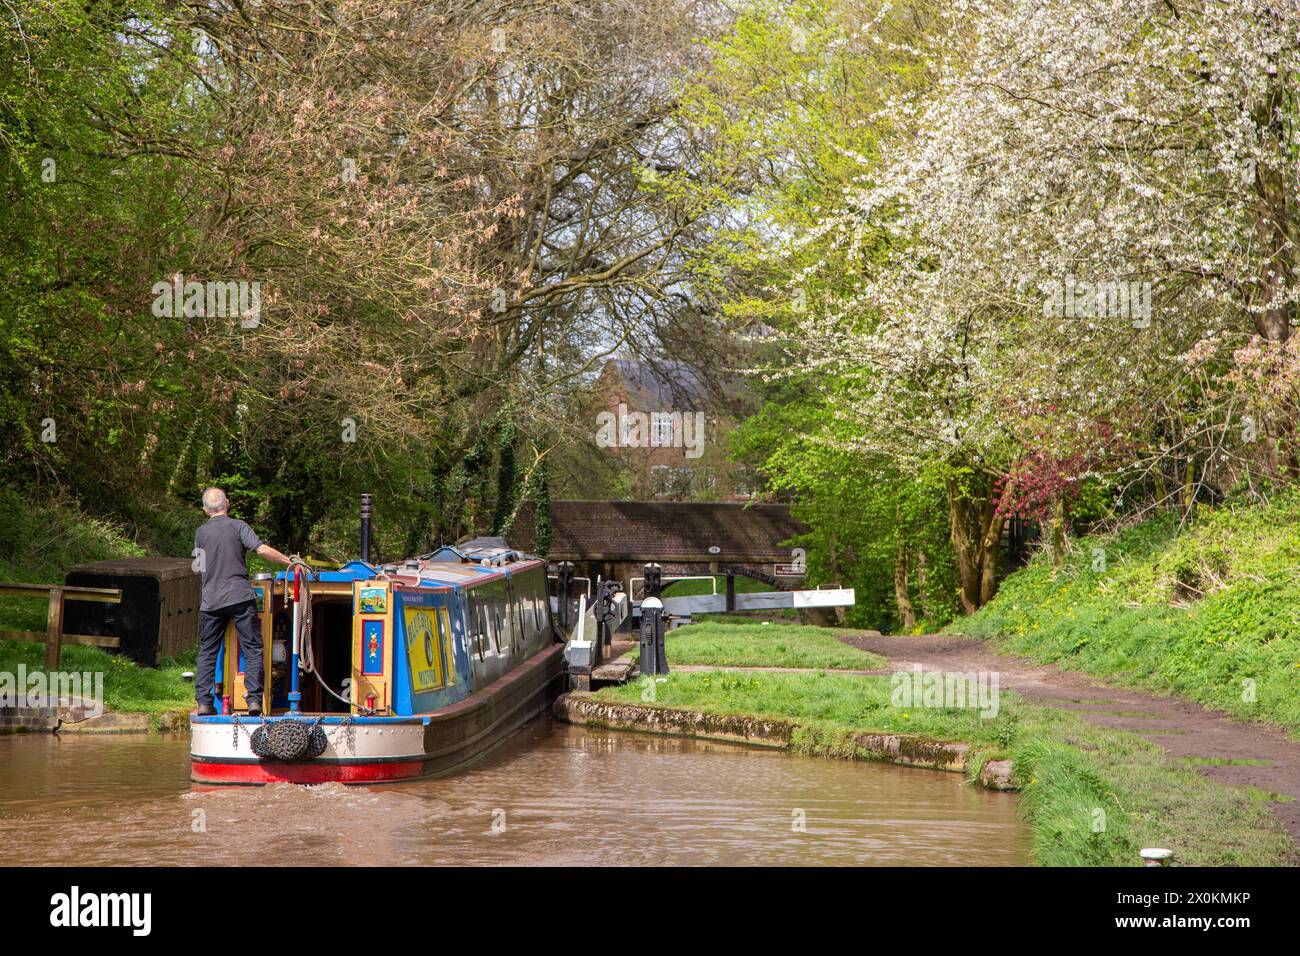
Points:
[(468, 564)]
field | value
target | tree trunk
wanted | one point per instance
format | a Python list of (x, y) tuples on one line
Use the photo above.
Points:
[(834, 566), (965, 550), (922, 586), (906, 615), (1058, 532), (1273, 320), (976, 538), (989, 557), (182, 460), (1272, 312)]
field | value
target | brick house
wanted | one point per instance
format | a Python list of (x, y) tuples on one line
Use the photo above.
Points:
[(669, 433)]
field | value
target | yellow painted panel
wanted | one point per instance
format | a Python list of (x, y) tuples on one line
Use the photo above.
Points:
[(422, 649), (372, 601)]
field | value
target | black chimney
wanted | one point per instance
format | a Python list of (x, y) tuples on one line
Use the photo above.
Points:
[(365, 528)]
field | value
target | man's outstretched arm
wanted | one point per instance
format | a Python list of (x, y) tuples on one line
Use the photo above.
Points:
[(268, 552)]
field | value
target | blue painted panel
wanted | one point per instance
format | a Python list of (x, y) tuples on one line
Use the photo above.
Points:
[(372, 647), (402, 704), (220, 676)]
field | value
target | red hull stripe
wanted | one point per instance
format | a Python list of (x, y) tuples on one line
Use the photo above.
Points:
[(249, 773)]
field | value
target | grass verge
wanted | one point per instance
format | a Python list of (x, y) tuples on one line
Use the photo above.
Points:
[(766, 645), (128, 687), (1210, 612)]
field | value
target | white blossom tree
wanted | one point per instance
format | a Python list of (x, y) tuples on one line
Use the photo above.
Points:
[(1086, 191)]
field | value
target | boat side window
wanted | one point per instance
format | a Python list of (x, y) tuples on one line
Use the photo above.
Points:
[(475, 625), (446, 647), (523, 604), (518, 606), (536, 603), (516, 618), (526, 614), (519, 617), (507, 610), (537, 600), (471, 643)]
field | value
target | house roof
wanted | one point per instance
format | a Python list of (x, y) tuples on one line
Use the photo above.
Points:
[(662, 385), (681, 531)]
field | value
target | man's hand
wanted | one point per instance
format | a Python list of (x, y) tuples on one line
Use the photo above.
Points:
[(268, 552)]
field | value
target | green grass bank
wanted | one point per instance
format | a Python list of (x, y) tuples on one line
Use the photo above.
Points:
[(38, 543), (1209, 611), (752, 644)]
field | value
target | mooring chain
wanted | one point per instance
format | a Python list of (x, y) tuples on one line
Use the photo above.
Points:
[(349, 729), (236, 727)]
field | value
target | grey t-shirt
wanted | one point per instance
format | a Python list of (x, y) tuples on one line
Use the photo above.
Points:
[(222, 541)]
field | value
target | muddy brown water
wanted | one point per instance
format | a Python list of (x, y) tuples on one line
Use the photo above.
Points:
[(554, 794)]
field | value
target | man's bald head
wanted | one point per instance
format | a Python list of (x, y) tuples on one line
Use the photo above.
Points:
[(215, 501)]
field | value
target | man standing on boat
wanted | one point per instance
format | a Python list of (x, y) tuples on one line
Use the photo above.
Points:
[(220, 545)]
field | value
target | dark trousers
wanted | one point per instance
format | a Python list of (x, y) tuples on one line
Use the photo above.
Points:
[(212, 628)]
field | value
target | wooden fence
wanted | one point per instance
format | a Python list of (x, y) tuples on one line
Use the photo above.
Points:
[(53, 637)]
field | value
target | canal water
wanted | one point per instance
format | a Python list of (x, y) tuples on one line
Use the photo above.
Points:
[(554, 794)]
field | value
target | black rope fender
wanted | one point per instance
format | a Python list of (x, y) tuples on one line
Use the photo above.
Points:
[(290, 739)]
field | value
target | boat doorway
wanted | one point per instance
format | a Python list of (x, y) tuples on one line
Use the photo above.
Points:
[(331, 652)]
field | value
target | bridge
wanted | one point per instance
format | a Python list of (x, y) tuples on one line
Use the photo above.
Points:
[(616, 539)]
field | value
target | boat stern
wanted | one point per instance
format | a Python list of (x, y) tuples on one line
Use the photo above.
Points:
[(309, 749)]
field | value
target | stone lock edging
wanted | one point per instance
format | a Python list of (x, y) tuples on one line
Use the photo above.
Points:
[(904, 749)]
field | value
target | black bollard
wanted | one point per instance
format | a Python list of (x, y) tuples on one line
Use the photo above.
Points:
[(564, 593), (604, 613), (654, 656), (654, 577), (652, 610), (661, 653)]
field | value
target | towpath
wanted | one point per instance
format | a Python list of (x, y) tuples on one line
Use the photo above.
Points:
[(1181, 728)]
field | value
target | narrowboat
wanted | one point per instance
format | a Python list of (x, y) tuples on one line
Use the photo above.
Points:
[(383, 674)]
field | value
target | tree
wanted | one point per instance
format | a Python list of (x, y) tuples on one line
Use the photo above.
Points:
[(1078, 195), (445, 211)]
